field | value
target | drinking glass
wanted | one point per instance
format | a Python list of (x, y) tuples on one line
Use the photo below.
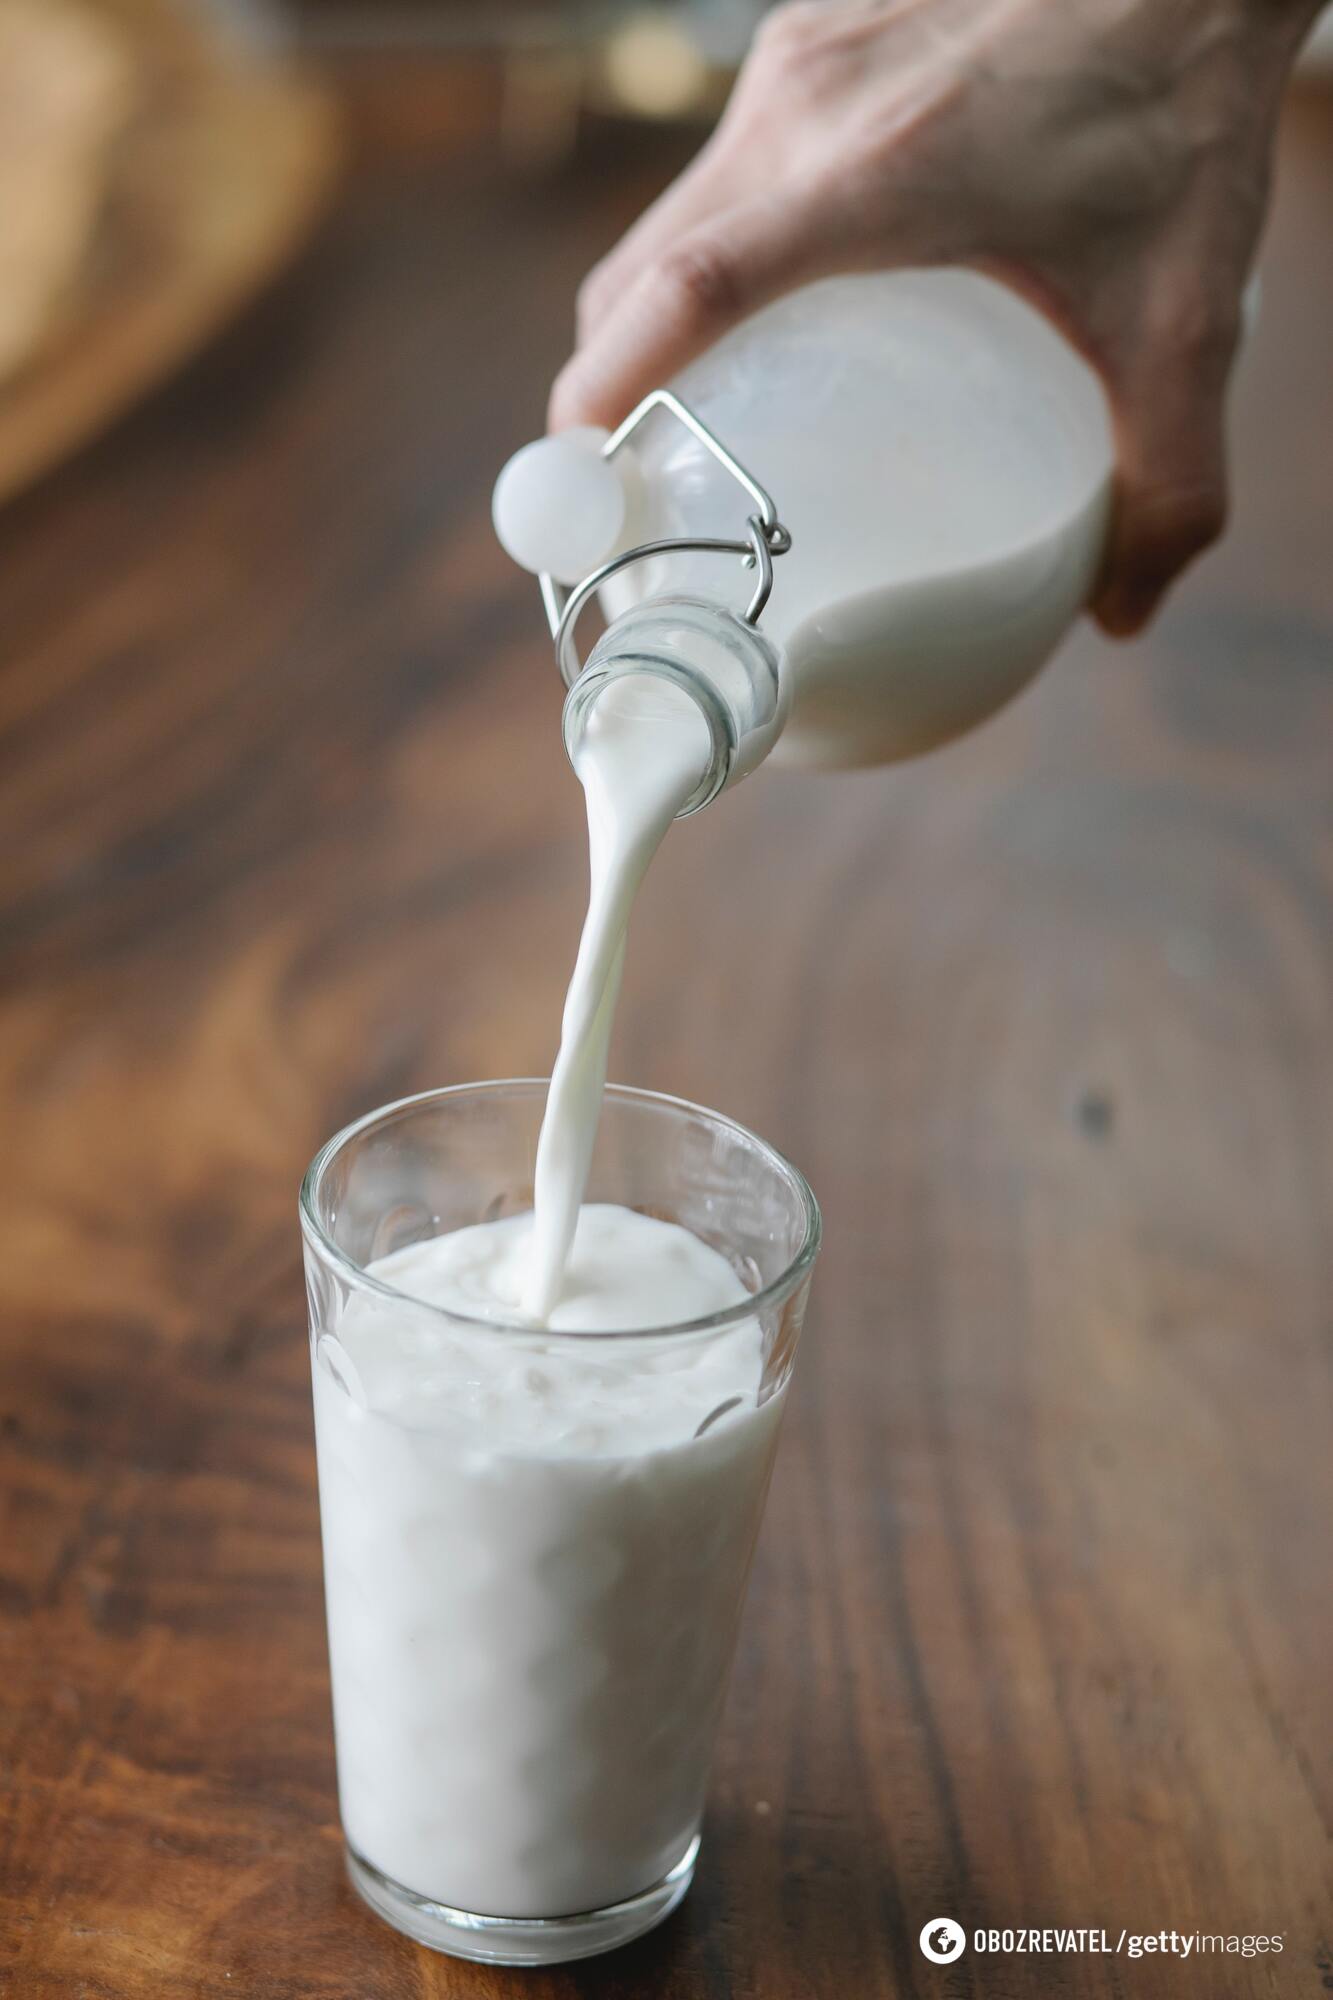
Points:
[(532, 1615)]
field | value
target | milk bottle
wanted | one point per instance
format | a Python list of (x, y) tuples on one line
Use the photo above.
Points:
[(939, 461)]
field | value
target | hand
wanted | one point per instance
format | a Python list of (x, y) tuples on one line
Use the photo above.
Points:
[(1107, 158)]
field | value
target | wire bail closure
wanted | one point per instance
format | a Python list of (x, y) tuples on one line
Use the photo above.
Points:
[(766, 537)]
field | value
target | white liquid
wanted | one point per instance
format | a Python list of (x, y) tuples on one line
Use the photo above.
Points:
[(644, 752), (533, 1565)]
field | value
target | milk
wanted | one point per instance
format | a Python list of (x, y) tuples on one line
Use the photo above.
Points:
[(641, 756), (535, 1552), (536, 1545), (538, 1513)]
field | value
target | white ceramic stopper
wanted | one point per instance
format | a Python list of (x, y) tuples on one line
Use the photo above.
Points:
[(559, 505)]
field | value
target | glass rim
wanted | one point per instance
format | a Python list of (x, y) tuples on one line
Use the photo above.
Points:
[(774, 1294)]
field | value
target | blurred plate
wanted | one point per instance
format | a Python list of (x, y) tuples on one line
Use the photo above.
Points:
[(1317, 55), (215, 179)]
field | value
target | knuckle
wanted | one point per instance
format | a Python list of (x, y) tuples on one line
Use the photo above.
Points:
[(887, 149), (701, 277), (787, 33)]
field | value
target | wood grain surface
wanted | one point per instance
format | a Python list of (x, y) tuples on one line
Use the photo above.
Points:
[(1041, 1624)]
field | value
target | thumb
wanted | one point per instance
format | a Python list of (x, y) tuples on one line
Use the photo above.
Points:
[(687, 296), (1171, 486)]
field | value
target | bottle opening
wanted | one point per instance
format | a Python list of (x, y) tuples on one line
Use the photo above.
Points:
[(676, 714), (672, 660)]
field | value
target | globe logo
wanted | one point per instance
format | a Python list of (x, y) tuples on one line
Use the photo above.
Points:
[(942, 1940)]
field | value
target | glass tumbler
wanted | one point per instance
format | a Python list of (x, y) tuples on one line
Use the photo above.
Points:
[(532, 1602)]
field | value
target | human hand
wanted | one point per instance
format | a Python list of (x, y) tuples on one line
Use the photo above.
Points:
[(1107, 158)]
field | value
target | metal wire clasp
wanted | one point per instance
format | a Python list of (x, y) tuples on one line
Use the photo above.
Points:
[(766, 537)]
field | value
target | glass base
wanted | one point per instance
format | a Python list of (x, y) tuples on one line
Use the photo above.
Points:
[(520, 1940)]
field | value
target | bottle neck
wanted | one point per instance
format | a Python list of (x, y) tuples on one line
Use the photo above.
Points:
[(728, 669)]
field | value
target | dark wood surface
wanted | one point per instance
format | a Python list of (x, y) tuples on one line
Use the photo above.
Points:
[(1041, 1629)]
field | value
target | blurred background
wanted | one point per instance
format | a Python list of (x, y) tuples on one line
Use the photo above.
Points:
[(162, 157)]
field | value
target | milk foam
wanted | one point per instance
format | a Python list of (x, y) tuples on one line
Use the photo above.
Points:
[(516, 1390)]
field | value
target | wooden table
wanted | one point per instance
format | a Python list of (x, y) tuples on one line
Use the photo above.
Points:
[(1041, 1630)]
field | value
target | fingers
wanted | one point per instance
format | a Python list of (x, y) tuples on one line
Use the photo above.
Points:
[(1171, 488), (707, 186), (751, 142), (690, 293)]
